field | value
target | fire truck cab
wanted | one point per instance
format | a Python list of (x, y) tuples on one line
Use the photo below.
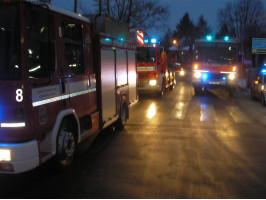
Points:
[(59, 84), (215, 65)]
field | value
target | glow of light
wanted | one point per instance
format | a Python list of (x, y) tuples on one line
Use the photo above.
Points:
[(35, 68), (204, 76), (182, 73), (226, 38), (264, 64), (224, 78), (5, 155), (197, 74), (262, 87), (232, 76), (166, 74), (151, 111), (146, 41), (152, 82), (209, 37), (234, 69), (263, 71), (13, 125), (196, 66), (153, 40), (107, 40)]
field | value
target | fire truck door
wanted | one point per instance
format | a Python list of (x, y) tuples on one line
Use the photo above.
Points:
[(108, 84)]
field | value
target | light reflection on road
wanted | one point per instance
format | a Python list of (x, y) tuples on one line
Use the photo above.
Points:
[(151, 111)]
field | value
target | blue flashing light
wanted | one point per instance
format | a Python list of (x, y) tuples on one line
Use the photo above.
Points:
[(264, 64), (209, 37), (226, 38), (107, 40), (263, 71), (121, 39), (204, 76), (146, 41), (224, 78), (153, 41)]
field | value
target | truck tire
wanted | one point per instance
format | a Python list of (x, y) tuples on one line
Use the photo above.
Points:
[(123, 114), (232, 92), (252, 94), (198, 90), (65, 145), (161, 93), (263, 102)]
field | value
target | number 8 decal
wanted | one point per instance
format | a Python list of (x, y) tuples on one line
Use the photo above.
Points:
[(19, 94)]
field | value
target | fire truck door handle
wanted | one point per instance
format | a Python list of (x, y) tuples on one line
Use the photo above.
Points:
[(62, 86)]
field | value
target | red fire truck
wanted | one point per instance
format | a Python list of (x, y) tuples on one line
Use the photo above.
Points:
[(154, 75), (59, 84), (215, 65)]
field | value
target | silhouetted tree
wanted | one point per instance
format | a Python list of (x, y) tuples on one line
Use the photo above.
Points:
[(242, 18), (166, 40), (142, 14), (185, 30), (202, 28)]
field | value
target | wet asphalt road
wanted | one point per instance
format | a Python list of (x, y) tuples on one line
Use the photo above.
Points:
[(177, 146)]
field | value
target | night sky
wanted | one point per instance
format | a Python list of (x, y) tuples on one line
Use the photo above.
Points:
[(177, 8)]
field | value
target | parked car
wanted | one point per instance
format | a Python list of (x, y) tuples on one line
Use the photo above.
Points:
[(258, 87)]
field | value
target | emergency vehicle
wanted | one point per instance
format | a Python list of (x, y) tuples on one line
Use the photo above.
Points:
[(59, 83), (154, 74), (215, 65), (258, 85)]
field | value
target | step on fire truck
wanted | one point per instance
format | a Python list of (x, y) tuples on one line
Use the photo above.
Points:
[(215, 65), (59, 83), (154, 75)]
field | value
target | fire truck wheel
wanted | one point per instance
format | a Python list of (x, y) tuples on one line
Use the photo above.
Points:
[(123, 114), (205, 91), (172, 87), (252, 94), (161, 93), (197, 90), (232, 92), (65, 145), (263, 102)]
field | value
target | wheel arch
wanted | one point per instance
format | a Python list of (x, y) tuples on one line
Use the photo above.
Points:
[(49, 144)]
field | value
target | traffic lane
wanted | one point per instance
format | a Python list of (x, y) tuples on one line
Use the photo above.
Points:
[(172, 158)]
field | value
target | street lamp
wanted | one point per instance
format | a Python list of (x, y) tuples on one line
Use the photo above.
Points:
[(174, 42)]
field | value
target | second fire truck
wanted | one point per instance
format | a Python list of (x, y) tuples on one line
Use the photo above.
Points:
[(215, 65), (153, 72)]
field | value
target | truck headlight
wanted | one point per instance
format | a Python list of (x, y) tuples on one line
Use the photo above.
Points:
[(5, 155), (197, 74), (232, 76), (152, 82)]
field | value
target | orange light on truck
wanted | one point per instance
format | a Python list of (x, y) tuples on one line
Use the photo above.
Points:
[(196, 66), (234, 69)]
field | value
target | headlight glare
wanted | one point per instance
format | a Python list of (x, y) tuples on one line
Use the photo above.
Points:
[(152, 82), (232, 76), (197, 74)]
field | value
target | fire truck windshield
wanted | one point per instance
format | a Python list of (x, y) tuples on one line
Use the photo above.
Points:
[(225, 54), (10, 68), (146, 54)]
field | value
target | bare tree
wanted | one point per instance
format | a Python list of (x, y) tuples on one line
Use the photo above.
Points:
[(242, 18), (142, 14)]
